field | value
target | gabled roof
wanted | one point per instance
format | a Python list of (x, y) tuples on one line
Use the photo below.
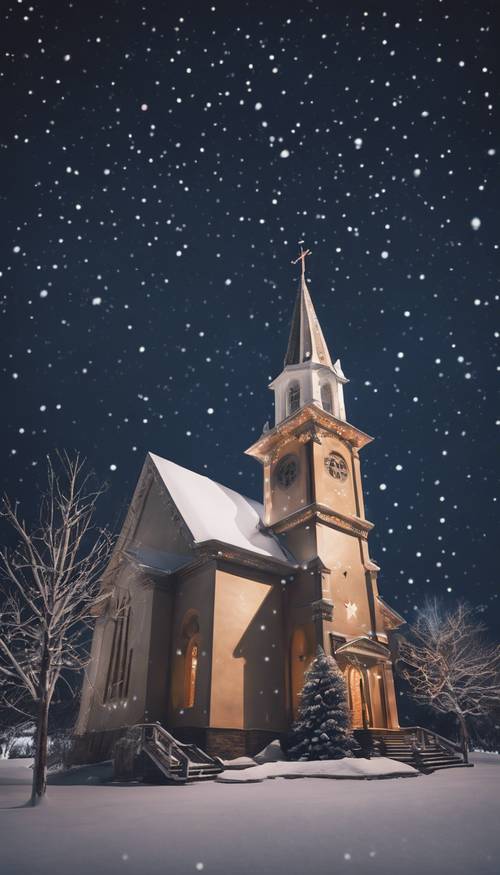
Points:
[(365, 645), (213, 512), (395, 619), (306, 342), (157, 560)]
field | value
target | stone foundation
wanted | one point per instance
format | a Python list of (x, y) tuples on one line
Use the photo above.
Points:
[(227, 743), (94, 747)]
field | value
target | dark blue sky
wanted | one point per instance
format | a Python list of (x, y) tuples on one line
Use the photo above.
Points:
[(159, 163)]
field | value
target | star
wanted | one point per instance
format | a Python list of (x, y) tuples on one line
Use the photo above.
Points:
[(352, 610)]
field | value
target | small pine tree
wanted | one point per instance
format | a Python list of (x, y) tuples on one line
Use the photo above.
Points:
[(322, 730)]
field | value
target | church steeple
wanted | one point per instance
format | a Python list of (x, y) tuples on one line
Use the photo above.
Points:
[(309, 375), (306, 342)]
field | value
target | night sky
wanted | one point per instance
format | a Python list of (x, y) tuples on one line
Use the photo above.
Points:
[(160, 162)]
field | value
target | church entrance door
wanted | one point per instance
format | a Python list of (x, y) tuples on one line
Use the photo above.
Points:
[(357, 699)]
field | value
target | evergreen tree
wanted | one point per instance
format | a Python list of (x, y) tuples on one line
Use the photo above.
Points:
[(322, 729)]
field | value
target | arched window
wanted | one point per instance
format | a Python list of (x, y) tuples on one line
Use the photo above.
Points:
[(293, 398), (190, 677), (191, 650), (120, 660), (358, 703), (326, 397)]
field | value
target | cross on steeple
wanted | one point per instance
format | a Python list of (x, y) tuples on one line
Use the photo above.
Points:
[(302, 258), (306, 342)]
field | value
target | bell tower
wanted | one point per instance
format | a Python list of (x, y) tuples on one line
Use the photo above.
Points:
[(313, 503)]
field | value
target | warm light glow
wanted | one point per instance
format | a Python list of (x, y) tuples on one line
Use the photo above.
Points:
[(192, 666)]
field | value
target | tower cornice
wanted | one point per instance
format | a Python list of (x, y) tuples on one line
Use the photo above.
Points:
[(308, 423), (352, 525)]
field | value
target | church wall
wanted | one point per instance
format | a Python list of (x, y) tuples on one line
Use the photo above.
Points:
[(107, 712), (160, 654), (248, 664), (155, 527), (377, 700), (286, 500), (380, 618), (341, 553), (91, 678), (301, 632), (339, 495), (301, 541), (194, 597)]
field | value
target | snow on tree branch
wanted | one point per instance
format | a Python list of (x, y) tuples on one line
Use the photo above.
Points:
[(53, 582), (450, 664)]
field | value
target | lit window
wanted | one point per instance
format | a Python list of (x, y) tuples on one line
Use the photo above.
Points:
[(191, 670)]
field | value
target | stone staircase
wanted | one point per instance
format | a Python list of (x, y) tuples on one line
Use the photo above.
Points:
[(424, 750)]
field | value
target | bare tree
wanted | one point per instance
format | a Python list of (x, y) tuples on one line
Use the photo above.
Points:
[(52, 579), (450, 665), (12, 727)]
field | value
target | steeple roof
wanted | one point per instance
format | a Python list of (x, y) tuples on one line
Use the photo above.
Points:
[(306, 342)]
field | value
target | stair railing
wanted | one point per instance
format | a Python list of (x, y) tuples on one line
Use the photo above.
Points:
[(421, 738), (425, 737), (154, 735), (441, 741), (177, 751)]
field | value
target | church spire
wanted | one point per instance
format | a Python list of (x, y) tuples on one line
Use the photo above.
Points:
[(308, 376), (306, 342)]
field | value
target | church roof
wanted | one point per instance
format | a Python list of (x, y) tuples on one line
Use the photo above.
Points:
[(213, 512), (306, 342), (158, 561)]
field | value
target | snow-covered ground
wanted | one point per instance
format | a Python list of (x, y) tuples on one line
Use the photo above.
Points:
[(443, 823), (345, 768)]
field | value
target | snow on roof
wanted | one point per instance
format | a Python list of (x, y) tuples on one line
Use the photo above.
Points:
[(158, 560), (214, 512)]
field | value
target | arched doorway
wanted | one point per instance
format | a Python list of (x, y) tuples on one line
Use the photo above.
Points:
[(358, 704), (186, 672)]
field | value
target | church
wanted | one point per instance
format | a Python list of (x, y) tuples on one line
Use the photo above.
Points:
[(215, 603)]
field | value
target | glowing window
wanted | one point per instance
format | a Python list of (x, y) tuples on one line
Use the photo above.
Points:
[(191, 671)]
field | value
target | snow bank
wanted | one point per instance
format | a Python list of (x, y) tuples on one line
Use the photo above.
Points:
[(94, 773), (443, 824), (348, 767), (239, 763), (272, 753)]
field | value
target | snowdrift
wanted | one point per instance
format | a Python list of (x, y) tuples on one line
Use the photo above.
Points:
[(348, 767)]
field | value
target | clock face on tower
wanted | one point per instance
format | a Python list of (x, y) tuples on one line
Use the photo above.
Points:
[(336, 466), (287, 470)]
